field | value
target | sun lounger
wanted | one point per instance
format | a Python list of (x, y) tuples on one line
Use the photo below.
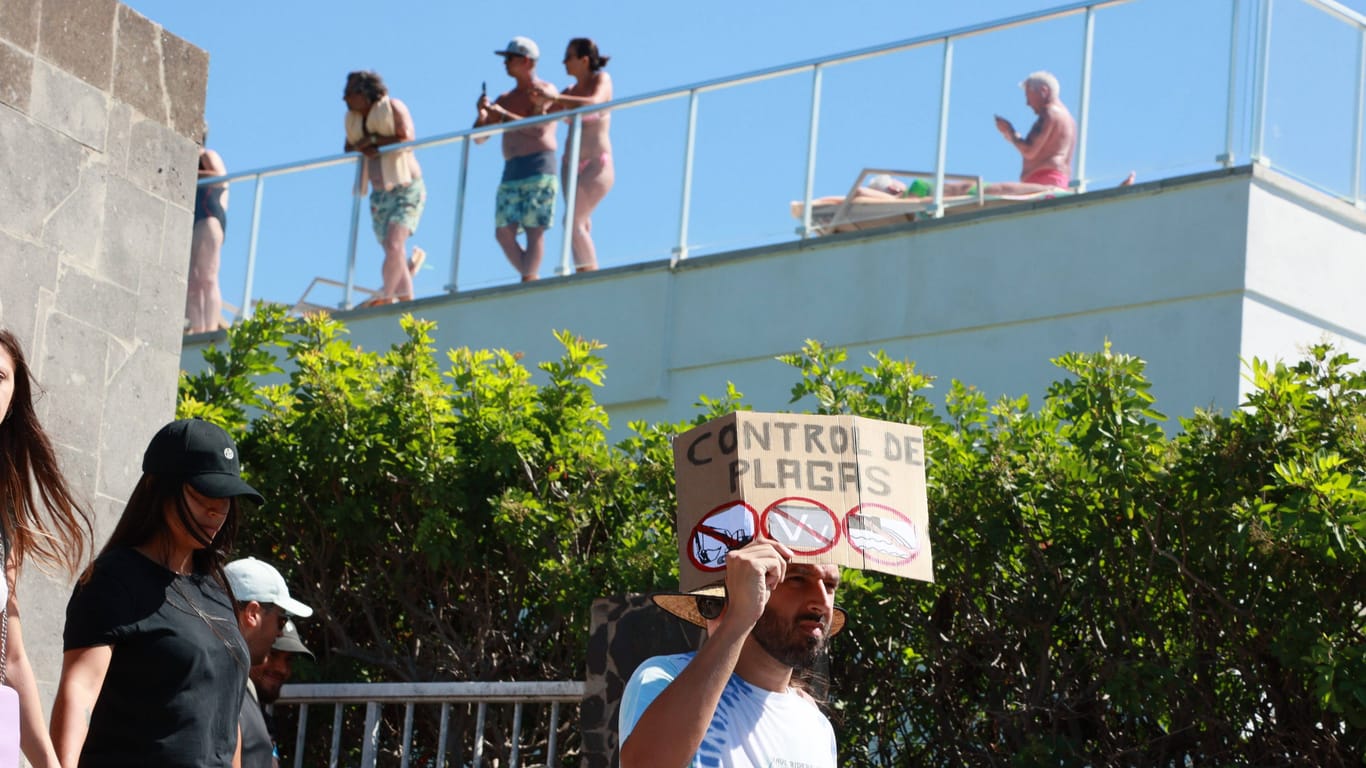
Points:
[(853, 212), (303, 306)]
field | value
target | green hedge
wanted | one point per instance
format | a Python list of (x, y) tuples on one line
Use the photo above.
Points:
[(1105, 594)]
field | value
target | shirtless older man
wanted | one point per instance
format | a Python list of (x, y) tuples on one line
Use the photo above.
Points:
[(1047, 149), (526, 195)]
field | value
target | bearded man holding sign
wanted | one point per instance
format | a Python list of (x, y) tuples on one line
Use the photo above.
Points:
[(734, 702), (770, 508)]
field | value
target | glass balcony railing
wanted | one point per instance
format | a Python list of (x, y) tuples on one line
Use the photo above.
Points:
[(1158, 87)]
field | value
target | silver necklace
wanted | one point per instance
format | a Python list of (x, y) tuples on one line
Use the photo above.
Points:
[(208, 620)]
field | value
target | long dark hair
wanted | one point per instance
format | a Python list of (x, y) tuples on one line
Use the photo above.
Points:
[(41, 517), (367, 83), (144, 521), (584, 46)]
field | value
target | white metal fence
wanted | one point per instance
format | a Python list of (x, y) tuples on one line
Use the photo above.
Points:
[(539, 713)]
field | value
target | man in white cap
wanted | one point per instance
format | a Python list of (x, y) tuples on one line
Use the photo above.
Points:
[(268, 677), (271, 675), (264, 608), (527, 192), (734, 702)]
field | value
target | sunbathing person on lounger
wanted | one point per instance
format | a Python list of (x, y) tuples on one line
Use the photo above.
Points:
[(884, 187)]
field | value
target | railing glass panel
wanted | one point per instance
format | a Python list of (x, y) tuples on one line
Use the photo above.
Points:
[(1311, 96), (884, 111), (1159, 108)]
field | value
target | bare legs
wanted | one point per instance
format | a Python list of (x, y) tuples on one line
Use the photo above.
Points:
[(526, 261), (203, 301), (398, 278), (595, 180)]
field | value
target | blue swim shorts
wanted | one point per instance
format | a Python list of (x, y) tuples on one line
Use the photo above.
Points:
[(400, 205), (529, 202)]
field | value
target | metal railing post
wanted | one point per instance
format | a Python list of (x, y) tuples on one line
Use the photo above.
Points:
[(369, 749), (680, 251), (571, 188), (813, 132), (1084, 107), (406, 757), (941, 153), (514, 757), (251, 247), (443, 735), (1360, 118), (1262, 76), (336, 736), (299, 737), (357, 195), (452, 285), (1227, 158), (554, 733), (480, 711)]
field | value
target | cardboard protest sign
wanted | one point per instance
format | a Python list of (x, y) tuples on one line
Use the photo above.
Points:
[(835, 489)]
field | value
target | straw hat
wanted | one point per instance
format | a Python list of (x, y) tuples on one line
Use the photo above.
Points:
[(684, 606)]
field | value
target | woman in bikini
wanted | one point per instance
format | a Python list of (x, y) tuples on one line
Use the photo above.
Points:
[(591, 85), (204, 302)]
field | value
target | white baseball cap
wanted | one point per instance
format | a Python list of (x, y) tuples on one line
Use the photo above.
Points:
[(521, 46), (252, 579)]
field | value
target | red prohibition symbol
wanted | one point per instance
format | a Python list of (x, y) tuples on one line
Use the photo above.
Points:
[(882, 534), (729, 526), (806, 526)]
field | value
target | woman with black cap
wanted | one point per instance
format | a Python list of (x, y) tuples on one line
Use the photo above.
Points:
[(154, 668)]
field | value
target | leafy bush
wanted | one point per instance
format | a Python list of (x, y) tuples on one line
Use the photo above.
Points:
[(1105, 594)]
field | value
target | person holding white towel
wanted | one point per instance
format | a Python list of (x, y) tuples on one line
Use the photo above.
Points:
[(374, 119)]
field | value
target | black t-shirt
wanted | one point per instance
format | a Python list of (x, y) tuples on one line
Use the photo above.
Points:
[(175, 683)]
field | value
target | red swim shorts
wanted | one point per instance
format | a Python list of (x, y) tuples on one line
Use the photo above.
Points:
[(1049, 176)]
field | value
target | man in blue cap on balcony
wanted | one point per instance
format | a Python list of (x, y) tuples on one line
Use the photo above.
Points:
[(527, 192)]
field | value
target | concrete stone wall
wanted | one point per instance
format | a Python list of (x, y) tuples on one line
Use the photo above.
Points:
[(100, 111)]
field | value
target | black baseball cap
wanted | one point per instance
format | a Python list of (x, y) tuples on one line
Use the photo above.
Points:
[(203, 454)]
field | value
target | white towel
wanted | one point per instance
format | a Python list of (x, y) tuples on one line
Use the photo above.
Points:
[(395, 167)]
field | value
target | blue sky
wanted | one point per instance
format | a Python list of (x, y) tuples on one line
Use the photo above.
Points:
[(1159, 83)]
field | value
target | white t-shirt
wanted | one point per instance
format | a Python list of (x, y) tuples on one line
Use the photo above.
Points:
[(752, 727)]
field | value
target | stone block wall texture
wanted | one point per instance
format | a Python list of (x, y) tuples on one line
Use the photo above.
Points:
[(625, 631), (100, 114)]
